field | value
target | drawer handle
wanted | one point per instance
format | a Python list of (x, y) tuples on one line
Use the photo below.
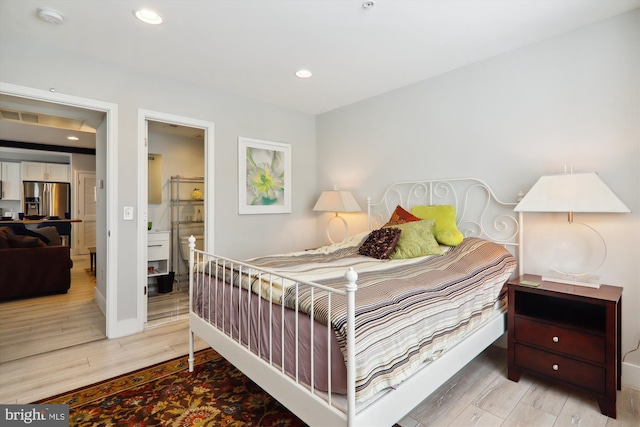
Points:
[(555, 367), (154, 246), (556, 339)]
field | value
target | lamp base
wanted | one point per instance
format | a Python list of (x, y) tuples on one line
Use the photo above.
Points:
[(344, 223), (589, 281)]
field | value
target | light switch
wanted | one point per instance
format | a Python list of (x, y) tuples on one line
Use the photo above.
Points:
[(128, 213)]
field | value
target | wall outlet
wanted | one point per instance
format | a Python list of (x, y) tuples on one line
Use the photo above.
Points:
[(127, 215)]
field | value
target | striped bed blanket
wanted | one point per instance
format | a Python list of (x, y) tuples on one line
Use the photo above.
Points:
[(407, 312)]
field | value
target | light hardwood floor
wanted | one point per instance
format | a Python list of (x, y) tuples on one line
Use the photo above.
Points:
[(56, 343), (165, 308), (35, 325), (479, 395)]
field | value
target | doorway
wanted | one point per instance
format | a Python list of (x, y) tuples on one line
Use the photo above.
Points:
[(186, 147), (106, 170)]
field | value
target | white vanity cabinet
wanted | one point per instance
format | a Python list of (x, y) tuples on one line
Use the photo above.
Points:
[(38, 171), (10, 177), (158, 253)]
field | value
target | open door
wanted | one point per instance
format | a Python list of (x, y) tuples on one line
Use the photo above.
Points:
[(87, 198)]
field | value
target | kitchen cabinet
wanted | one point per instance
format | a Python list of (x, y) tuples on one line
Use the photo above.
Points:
[(10, 177), (38, 171)]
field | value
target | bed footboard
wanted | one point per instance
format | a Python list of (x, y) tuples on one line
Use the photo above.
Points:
[(280, 348)]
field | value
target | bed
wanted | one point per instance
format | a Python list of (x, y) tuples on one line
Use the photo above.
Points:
[(291, 323)]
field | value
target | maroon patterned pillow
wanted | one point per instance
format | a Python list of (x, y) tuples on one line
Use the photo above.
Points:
[(380, 243), (400, 216)]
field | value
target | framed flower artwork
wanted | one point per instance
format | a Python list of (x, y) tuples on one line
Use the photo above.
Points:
[(264, 172)]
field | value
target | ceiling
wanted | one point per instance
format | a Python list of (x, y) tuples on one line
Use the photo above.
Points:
[(251, 48), (27, 120)]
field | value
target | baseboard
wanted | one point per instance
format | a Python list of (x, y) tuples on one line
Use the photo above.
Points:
[(631, 375), (100, 300)]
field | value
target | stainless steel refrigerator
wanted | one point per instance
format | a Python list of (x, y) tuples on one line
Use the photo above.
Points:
[(47, 198)]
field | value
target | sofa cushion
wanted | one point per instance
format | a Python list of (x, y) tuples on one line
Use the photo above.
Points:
[(4, 237), (17, 241), (50, 234), (23, 231)]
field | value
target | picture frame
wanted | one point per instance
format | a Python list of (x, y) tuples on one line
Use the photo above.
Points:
[(264, 177)]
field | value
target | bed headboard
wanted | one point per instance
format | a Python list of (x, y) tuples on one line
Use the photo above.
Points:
[(479, 213)]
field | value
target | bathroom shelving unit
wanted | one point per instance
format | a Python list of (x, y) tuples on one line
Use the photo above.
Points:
[(187, 214)]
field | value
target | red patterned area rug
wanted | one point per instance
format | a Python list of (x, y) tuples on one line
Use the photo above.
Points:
[(167, 394)]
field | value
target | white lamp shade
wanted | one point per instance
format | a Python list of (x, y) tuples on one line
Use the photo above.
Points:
[(336, 201), (576, 192)]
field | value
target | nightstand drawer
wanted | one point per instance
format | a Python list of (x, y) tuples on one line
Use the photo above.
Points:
[(570, 342), (561, 368)]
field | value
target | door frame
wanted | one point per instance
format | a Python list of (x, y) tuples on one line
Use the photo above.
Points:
[(143, 150), (108, 302)]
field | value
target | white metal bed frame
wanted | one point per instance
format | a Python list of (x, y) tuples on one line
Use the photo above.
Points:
[(479, 213)]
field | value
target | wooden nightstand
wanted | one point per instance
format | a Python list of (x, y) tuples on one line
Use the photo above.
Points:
[(567, 333)]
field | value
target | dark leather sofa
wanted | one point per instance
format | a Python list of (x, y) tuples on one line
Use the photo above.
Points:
[(35, 270)]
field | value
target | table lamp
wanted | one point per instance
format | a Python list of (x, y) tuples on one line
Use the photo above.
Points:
[(571, 193), (337, 201)]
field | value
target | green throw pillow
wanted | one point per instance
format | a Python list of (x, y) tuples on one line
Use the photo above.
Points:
[(416, 239), (446, 231)]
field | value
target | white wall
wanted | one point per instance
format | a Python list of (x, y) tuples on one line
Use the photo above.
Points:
[(180, 156), (572, 99), (23, 62), (82, 162)]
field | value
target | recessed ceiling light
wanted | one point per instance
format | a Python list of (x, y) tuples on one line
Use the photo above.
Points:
[(50, 16), (304, 74), (148, 16), (73, 138)]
